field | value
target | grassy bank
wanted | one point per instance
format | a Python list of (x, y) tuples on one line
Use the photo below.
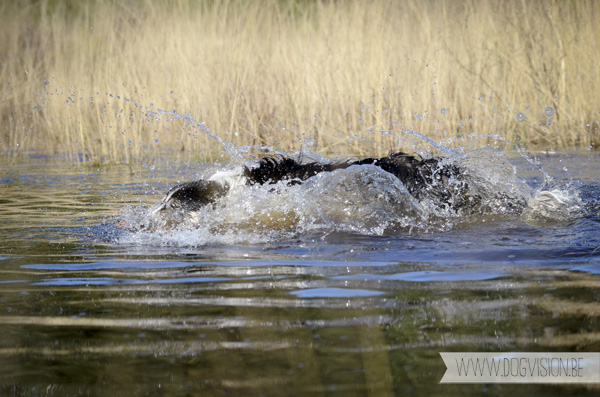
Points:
[(88, 78)]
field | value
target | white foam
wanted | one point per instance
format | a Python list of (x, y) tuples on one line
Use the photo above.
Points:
[(553, 206)]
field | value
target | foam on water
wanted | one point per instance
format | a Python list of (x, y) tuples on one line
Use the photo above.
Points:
[(553, 206)]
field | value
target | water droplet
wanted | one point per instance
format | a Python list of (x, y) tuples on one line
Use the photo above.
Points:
[(156, 141), (521, 117), (479, 98), (419, 117), (444, 110), (549, 111), (548, 121)]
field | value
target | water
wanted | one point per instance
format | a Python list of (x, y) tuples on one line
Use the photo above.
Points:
[(287, 292)]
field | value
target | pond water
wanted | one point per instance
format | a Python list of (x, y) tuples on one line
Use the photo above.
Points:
[(292, 297)]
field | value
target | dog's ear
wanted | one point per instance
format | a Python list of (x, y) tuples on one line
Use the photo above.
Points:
[(192, 196)]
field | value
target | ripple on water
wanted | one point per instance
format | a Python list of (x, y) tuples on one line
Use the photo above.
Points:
[(335, 293), (428, 275), (592, 269)]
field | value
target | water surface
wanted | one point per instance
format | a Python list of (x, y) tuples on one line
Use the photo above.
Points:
[(308, 307)]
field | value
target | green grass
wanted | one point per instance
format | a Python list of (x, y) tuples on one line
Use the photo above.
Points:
[(86, 79)]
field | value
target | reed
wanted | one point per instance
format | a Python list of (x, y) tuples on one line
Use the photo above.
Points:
[(90, 79)]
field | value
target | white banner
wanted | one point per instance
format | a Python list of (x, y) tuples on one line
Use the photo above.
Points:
[(517, 367)]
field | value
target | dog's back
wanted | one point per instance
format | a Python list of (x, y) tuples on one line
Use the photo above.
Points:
[(422, 178), (276, 169)]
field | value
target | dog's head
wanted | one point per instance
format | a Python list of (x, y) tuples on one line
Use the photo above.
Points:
[(191, 196)]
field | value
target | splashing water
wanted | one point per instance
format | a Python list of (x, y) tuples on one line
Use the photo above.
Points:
[(553, 206), (362, 200)]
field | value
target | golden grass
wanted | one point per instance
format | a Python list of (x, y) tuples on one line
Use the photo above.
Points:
[(87, 78)]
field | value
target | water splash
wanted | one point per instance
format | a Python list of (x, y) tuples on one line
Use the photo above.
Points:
[(229, 147), (362, 199), (420, 138), (553, 206)]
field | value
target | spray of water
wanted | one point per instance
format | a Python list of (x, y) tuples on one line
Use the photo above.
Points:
[(362, 199)]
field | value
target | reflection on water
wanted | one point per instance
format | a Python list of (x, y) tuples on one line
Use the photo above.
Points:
[(87, 309)]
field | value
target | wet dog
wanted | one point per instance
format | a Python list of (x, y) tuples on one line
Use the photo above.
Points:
[(433, 178)]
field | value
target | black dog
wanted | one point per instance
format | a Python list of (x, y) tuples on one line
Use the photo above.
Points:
[(431, 178)]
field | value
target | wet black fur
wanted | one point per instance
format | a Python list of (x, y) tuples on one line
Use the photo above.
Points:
[(191, 196), (273, 170), (422, 178)]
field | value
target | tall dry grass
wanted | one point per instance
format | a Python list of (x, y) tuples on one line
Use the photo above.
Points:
[(87, 79)]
